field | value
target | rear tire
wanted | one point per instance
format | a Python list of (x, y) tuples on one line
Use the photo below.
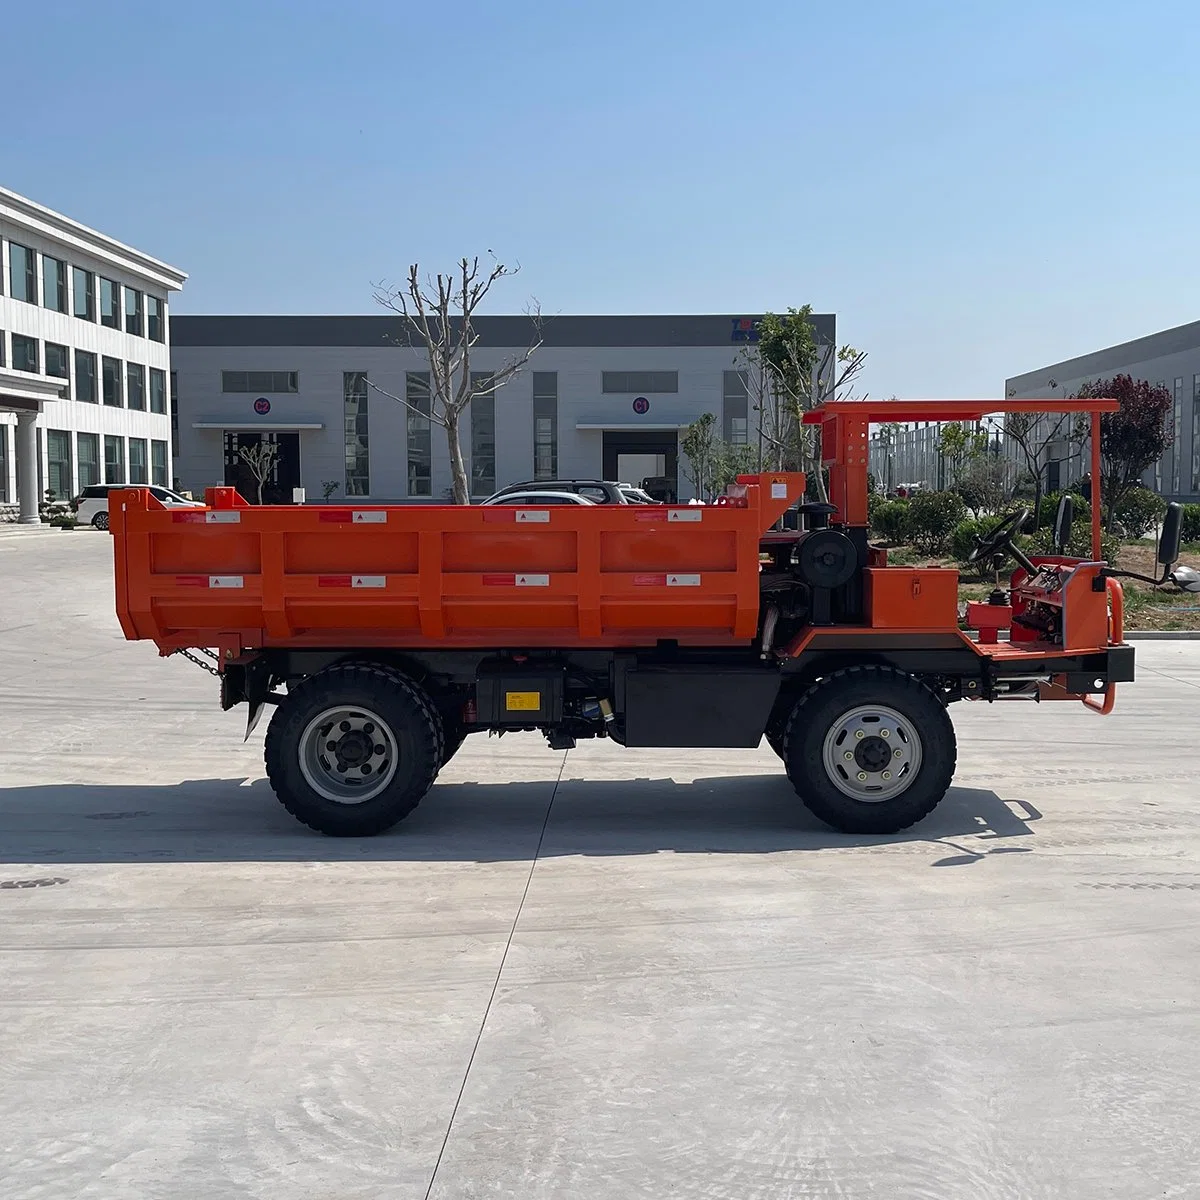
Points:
[(353, 749), (100, 520), (870, 750)]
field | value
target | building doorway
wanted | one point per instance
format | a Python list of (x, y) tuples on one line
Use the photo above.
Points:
[(285, 470), (633, 456)]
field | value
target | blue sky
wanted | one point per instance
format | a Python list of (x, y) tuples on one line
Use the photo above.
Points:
[(975, 189)]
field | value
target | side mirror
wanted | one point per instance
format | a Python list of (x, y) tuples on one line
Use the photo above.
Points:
[(1168, 542), (1063, 520)]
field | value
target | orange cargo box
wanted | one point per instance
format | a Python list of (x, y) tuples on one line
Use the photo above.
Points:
[(911, 598), (233, 575)]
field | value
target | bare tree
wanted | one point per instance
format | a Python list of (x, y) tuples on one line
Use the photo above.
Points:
[(1034, 436), (439, 312), (261, 460)]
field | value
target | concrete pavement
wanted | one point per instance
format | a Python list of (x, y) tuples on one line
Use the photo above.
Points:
[(599, 974)]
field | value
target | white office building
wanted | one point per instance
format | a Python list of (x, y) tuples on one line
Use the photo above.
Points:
[(84, 359), (345, 398)]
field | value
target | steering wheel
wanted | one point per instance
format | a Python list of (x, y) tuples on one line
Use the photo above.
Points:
[(999, 540)]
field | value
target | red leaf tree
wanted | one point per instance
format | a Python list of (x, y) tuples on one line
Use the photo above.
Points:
[(1133, 438)]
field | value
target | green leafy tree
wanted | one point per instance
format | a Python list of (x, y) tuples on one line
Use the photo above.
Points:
[(702, 447), (1133, 438), (961, 445)]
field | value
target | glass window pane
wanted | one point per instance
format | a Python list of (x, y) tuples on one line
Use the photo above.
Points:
[(25, 354), (483, 435), (137, 460), (545, 424), (419, 427), (114, 394), (639, 381), (158, 463), (110, 302), (58, 463), (88, 447), (135, 389), (85, 377), (84, 288), (158, 390), (54, 283), (154, 320), (114, 459), (358, 463), (133, 312), (22, 270)]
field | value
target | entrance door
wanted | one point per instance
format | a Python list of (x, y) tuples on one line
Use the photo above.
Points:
[(639, 449), (283, 475)]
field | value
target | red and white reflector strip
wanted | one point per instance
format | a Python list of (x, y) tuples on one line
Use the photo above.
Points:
[(352, 581), (516, 581), (211, 581), (666, 580), (508, 514), (353, 516), (650, 514), (216, 516)]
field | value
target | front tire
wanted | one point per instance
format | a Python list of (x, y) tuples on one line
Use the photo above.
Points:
[(353, 749), (870, 750)]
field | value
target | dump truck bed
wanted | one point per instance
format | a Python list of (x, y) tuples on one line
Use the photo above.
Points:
[(235, 575)]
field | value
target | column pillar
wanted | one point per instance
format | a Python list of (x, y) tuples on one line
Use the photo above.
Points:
[(27, 472)]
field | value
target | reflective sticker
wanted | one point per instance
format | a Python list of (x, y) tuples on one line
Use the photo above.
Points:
[(533, 516), (683, 581), (685, 514), (223, 517), (778, 490), (226, 581)]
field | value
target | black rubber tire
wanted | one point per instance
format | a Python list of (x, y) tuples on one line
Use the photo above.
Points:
[(412, 719), (828, 700), (100, 520)]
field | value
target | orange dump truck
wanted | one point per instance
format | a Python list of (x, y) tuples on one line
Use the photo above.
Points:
[(384, 636)]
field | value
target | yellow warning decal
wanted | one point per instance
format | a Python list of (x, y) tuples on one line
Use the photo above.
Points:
[(522, 701)]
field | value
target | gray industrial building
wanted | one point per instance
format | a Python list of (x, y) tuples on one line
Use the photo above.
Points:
[(344, 398), (1170, 358)]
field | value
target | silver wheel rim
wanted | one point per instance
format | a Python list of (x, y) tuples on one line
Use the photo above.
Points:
[(348, 754), (101, 521), (872, 753)]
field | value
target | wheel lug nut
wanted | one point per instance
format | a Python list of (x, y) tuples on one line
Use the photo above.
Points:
[(858, 733), (862, 776), (887, 774), (897, 753), (849, 756), (885, 733)]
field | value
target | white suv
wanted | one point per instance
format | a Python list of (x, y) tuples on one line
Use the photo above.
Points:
[(91, 505)]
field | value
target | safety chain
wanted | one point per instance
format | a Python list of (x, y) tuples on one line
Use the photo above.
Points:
[(206, 666)]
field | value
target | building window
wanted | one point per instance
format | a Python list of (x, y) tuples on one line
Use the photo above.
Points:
[(172, 402), (135, 392), (25, 353), (158, 390), (22, 269), (87, 446), (110, 303), (137, 460), (737, 405), (85, 377), (1177, 445), (154, 319), (114, 459), (2, 338), (640, 381), (133, 314), (545, 424), (358, 455), (260, 381), (111, 376), (83, 284), (420, 437), (158, 463), (483, 434), (4, 498), (54, 283), (58, 362), (58, 460)]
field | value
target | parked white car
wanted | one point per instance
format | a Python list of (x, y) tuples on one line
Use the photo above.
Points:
[(91, 505), (538, 499)]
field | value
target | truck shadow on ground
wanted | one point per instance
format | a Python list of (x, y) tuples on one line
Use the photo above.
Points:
[(234, 820)]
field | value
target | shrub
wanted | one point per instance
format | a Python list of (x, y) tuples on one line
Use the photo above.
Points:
[(1138, 510), (891, 521), (1048, 509), (1080, 545), (962, 542), (932, 520), (1190, 525)]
